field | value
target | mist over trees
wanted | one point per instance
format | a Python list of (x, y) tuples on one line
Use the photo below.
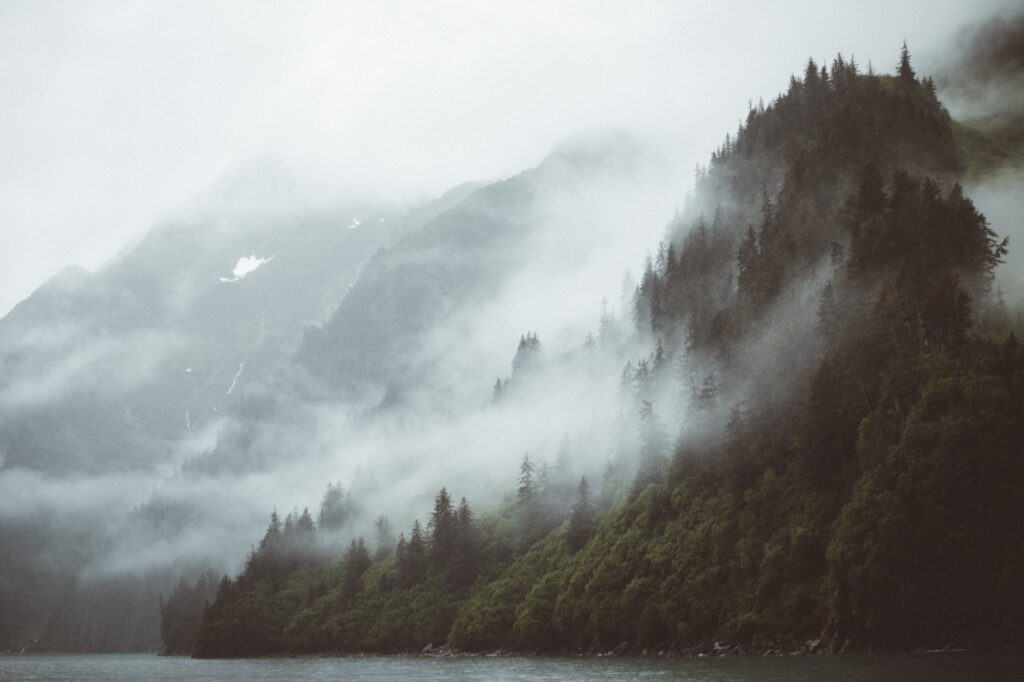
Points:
[(252, 421), (316, 412), (817, 433)]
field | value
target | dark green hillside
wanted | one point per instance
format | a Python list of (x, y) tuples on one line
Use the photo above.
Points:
[(860, 489), (850, 465)]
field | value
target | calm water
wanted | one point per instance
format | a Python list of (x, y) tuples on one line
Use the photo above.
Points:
[(897, 668)]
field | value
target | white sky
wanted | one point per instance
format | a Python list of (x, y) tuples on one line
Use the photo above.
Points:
[(114, 113)]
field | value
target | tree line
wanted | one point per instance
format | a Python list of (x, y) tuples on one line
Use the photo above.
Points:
[(851, 466)]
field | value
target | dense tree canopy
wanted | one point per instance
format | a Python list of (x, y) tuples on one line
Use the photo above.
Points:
[(858, 473)]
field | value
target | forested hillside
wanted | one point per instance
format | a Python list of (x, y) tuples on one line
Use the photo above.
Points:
[(825, 435)]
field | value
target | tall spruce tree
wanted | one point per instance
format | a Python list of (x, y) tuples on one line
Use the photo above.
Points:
[(581, 520), (465, 564), (385, 537), (442, 526), (905, 71), (527, 503)]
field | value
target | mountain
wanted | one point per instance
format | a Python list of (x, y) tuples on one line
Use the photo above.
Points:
[(380, 335), (113, 370), (798, 432), (839, 469), (859, 491), (112, 379), (110, 370), (206, 327)]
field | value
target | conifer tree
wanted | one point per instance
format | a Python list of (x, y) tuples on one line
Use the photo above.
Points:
[(747, 256), (335, 508), (527, 503), (905, 72), (442, 527), (811, 74), (465, 559), (658, 361), (356, 563), (385, 541), (581, 519), (402, 564), (417, 555), (652, 449), (528, 355), (272, 539), (527, 485)]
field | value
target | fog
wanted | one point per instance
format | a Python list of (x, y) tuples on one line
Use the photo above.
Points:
[(446, 430), (80, 361), (981, 84), (1000, 198), (232, 127), (116, 112)]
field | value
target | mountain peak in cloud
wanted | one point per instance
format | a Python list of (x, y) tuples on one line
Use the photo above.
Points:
[(598, 148)]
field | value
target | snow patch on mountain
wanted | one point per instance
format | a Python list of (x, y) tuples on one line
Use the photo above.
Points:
[(245, 265)]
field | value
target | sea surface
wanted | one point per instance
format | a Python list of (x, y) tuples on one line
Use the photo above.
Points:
[(937, 667)]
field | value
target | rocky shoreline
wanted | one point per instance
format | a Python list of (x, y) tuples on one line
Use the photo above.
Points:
[(710, 649), (810, 647)]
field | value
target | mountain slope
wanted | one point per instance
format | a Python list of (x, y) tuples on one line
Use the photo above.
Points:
[(381, 333), (111, 379), (848, 467), (113, 369)]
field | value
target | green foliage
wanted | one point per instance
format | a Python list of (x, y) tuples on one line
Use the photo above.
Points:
[(928, 545), (444, 531), (488, 620), (581, 520), (335, 508), (865, 486), (182, 613)]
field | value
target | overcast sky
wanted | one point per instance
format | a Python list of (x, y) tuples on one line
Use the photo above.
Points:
[(114, 113)]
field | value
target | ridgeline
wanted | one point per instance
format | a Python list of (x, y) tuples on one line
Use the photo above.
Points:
[(849, 472)]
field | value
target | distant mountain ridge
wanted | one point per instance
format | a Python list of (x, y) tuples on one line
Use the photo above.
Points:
[(211, 314), (111, 369), (373, 339)]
